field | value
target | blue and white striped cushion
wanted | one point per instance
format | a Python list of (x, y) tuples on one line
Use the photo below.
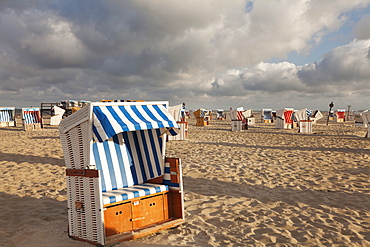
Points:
[(132, 192)]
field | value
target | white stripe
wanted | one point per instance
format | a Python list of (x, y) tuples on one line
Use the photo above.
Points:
[(115, 163), (122, 116), (105, 170), (116, 126), (147, 117), (134, 116)]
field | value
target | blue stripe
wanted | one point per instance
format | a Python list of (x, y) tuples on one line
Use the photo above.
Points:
[(112, 199), (105, 123), (169, 122), (160, 140), (151, 115), (138, 114), (154, 143), (167, 170), (98, 165), (129, 118), (117, 118), (110, 165), (97, 134), (147, 154), (168, 183)]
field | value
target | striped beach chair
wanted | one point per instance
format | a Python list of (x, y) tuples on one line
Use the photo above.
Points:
[(7, 117), (340, 114), (31, 118), (120, 184), (178, 113), (267, 115), (238, 122), (284, 118)]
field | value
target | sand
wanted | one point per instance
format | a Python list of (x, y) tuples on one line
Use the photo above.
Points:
[(258, 187)]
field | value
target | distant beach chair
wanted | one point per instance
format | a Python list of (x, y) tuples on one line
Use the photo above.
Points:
[(358, 119), (340, 114), (7, 117), (220, 114), (316, 116), (267, 115), (303, 119), (31, 119), (177, 112), (120, 184), (58, 115), (237, 119), (284, 118), (202, 117), (249, 118)]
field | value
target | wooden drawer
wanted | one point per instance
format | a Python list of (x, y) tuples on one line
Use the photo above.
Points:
[(135, 213), (117, 219)]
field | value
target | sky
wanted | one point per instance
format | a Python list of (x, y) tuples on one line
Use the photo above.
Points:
[(209, 54)]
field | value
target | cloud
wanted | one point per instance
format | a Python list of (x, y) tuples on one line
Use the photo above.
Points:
[(171, 50), (362, 29), (345, 68)]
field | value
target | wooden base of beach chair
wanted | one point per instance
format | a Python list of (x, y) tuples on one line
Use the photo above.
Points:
[(28, 127), (201, 121), (267, 121), (7, 124), (340, 120), (135, 213)]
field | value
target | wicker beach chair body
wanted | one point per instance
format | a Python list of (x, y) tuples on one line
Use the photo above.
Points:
[(7, 117), (284, 118), (120, 184), (31, 118)]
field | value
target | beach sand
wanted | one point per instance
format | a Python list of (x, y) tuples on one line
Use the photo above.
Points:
[(258, 187)]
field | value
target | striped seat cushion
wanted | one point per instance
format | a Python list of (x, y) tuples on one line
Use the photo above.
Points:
[(132, 192)]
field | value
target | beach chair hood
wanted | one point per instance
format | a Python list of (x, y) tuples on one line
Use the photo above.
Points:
[(109, 120)]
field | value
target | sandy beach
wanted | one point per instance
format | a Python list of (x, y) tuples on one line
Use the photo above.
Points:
[(258, 187)]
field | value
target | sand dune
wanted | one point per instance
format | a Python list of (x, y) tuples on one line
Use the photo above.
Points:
[(259, 187)]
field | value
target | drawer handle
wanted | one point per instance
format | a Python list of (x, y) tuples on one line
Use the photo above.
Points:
[(136, 219)]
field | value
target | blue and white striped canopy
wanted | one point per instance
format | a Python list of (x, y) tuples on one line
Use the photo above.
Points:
[(113, 119)]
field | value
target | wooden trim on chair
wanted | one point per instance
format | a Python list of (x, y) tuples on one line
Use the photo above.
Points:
[(90, 173)]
